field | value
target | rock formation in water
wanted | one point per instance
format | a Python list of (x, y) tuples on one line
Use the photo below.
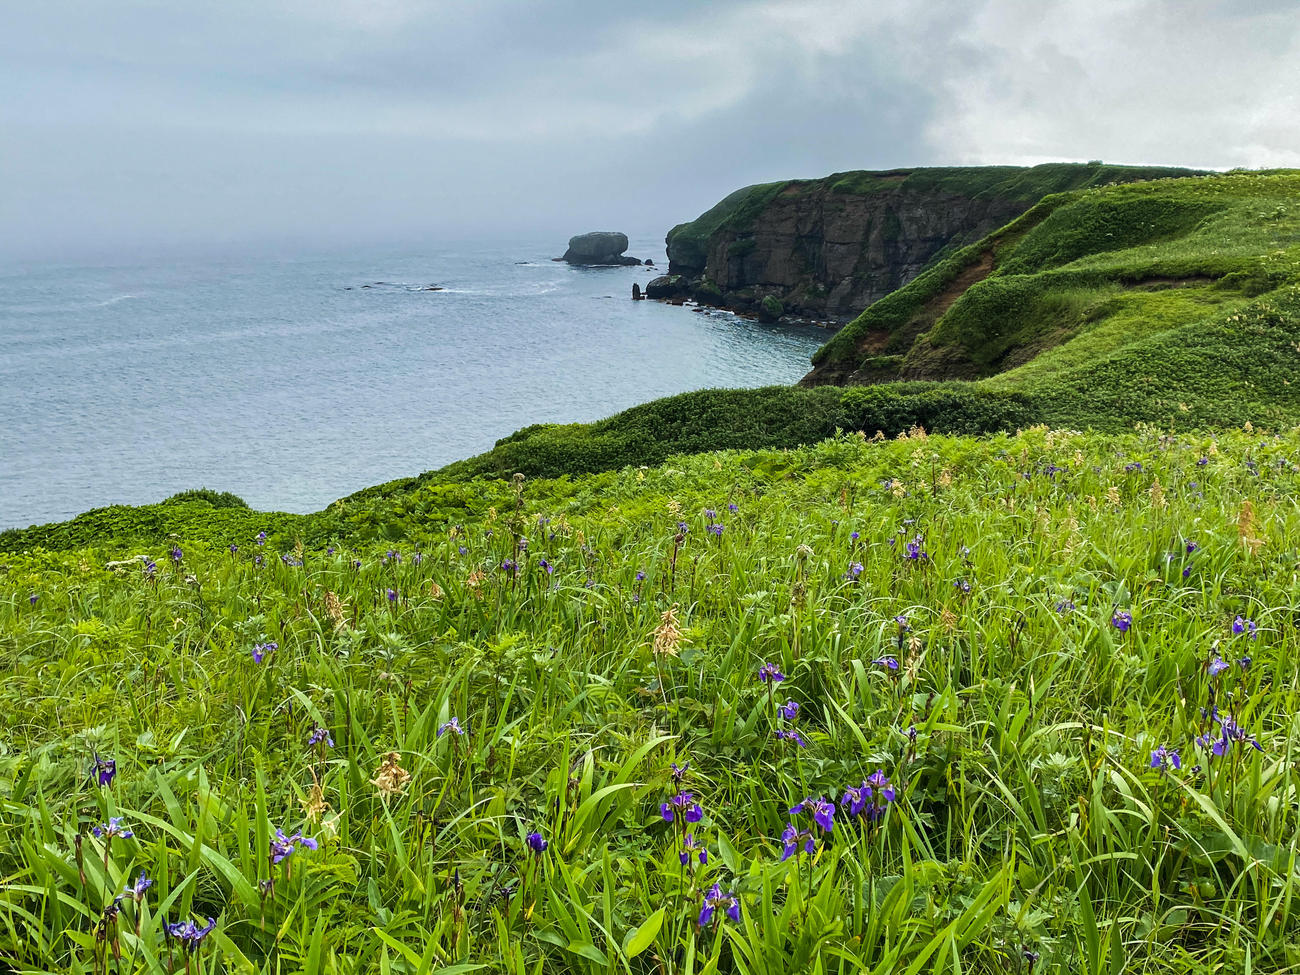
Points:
[(600, 247)]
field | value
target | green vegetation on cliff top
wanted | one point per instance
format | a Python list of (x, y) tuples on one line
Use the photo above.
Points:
[(688, 242)]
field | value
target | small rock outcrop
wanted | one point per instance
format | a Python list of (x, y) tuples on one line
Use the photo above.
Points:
[(600, 247)]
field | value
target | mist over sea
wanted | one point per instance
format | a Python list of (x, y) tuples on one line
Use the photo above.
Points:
[(289, 382)]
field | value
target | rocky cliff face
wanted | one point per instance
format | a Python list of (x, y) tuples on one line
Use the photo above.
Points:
[(828, 248)]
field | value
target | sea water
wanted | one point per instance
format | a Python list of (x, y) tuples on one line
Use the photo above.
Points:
[(293, 380)]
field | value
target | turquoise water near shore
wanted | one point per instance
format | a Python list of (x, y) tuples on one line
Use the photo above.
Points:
[(295, 380)]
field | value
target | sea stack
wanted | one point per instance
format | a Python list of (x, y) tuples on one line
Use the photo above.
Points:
[(601, 247)]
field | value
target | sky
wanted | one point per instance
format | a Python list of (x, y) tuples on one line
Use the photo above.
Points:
[(157, 123)]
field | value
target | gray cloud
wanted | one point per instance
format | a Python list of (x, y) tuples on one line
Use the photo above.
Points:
[(335, 120)]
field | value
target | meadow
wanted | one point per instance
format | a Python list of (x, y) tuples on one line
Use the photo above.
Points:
[(1015, 703)]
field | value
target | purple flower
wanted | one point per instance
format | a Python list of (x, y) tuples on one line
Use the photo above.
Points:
[(823, 812), (791, 840), (888, 662), (104, 769), (509, 566), (640, 576), (330, 550), (793, 736), (176, 554), (715, 529), (689, 848), (854, 536), (710, 514), (903, 624), (452, 725), (261, 538), (1190, 546), (392, 595), (679, 773), (714, 898), (545, 566), (1242, 625), (1165, 758), (137, 890), (1121, 620), (962, 585), (283, 846), (790, 710), (112, 828), (733, 507), (233, 548), (1187, 571), (320, 736), (1244, 663), (686, 804), (769, 674), (1217, 666), (913, 550), (260, 650), (536, 843), (31, 600), (189, 934), (855, 570), (871, 798)]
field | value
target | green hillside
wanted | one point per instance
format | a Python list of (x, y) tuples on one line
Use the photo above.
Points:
[(625, 722), (1096, 280)]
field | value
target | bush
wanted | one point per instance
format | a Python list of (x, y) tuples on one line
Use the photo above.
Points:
[(218, 499)]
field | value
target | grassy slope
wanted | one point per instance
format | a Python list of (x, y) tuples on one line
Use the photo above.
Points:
[(1026, 815)]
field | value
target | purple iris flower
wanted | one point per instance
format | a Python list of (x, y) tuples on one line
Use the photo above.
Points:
[(320, 736), (1217, 666), (545, 566), (1242, 625), (791, 840), (536, 843), (914, 552), (233, 548), (689, 848), (452, 725), (31, 600), (1165, 758), (1190, 546), (769, 674), (714, 898), (962, 585), (112, 828), (903, 624), (640, 576), (1121, 620), (261, 538), (1244, 663), (710, 514), (679, 773), (1134, 467), (715, 529), (104, 769), (855, 570), (283, 846), (137, 890), (329, 550), (733, 507), (392, 595), (686, 804), (793, 736), (176, 554), (510, 566), (260, 650), (890, 663), (854, 536), (1187, 571), (790, 710), (823, 812), (189, 934)]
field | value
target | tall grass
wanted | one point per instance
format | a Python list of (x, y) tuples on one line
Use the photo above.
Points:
[(1006, 629)]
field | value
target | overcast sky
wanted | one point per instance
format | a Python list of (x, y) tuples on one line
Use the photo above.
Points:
[(194, 122)]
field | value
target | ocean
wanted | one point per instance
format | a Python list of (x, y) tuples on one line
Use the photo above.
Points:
[(293, 381)]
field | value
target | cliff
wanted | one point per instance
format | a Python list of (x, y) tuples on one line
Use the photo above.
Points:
[(827, 248)]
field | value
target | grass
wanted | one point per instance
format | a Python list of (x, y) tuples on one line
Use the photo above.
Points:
[(1027, 830)]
